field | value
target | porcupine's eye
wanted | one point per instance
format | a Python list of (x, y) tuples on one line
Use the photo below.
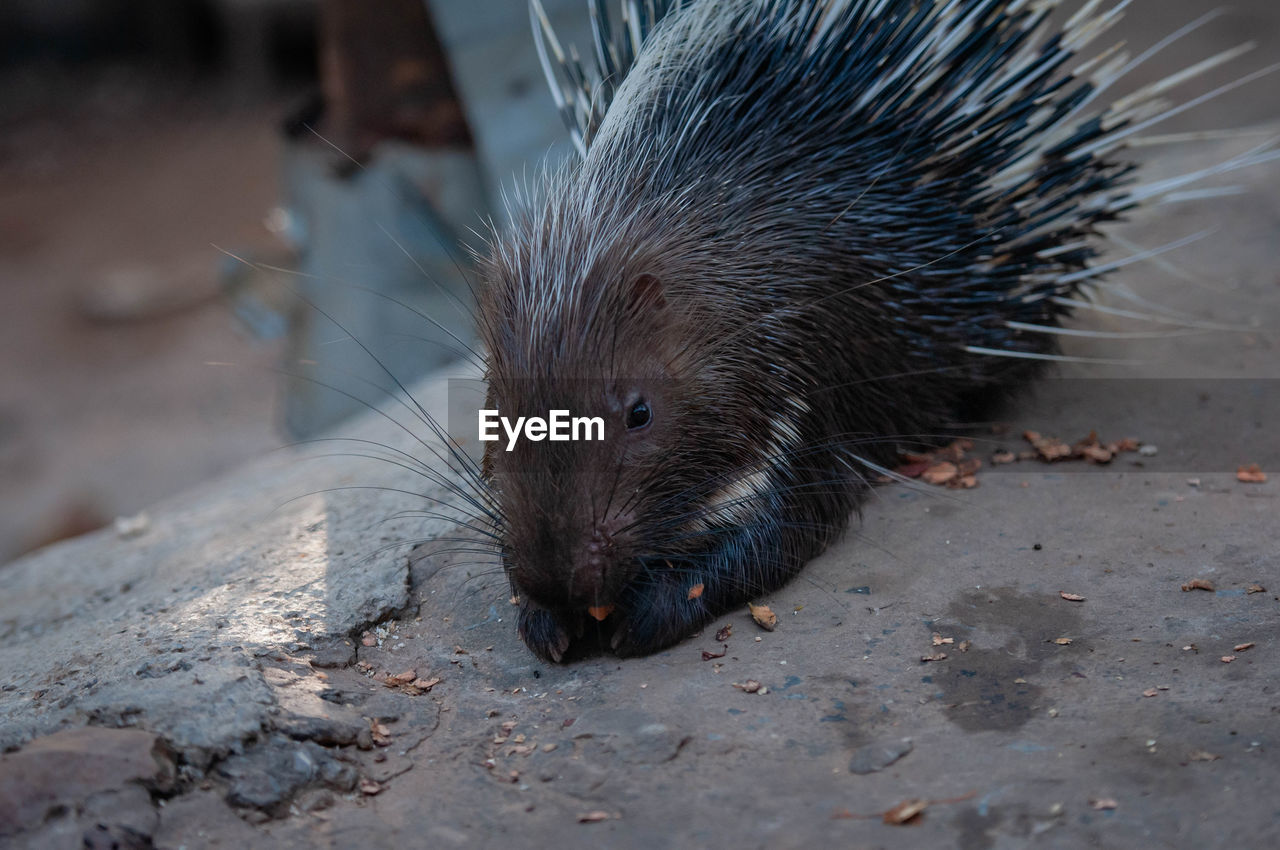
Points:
[(639, 415)]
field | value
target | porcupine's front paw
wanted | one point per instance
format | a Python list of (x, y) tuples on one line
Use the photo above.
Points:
[(542, 631), (659, 614)]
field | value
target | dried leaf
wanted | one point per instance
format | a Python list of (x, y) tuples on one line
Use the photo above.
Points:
[(750, 686), (1255, 588), (369, 787), (1203, 755), (401, 678), (937, 656), (599, 612), (907, 811), (1103, 804), (1227, 659), (1244, 647), (695, 591), (724, 633), (939, 640), (707, 656), (764, 616), (1198, 584), (1071, 597), (1251, 474), (940, 473), (593, 817), (1062, 641), (1150, 692)]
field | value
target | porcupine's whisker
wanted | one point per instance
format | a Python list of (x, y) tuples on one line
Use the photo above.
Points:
[(467, 352), (477, 485)]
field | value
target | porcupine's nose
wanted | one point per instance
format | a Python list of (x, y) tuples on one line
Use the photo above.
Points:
[(588, 580)]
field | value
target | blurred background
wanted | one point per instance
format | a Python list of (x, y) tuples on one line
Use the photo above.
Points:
[(187, 187)]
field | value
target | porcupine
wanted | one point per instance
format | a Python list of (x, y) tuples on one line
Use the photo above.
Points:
[(797, 232)]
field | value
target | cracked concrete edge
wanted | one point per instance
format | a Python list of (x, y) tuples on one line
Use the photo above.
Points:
[(209, 629)]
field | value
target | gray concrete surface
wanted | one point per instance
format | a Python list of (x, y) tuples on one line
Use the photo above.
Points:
[(231, 635)]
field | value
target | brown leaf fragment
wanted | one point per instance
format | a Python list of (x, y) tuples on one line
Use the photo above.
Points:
[(599, 612), (1002, 457), (939, 640), (1198, 584), (1071, 597), (458, 650), (936, 656), (1048, 449), (908, 811), (369, 787), (1203, 755), (1244, 647), (425, 685), (368, 639), (1150, 692), (750, 686), (1128, 444), (1251, 474), (381, 734), (964, 482), (1254, 588), (964, 645), (1227, 659), (1096, 454), (400, 678), (594, 817), (764, 616), (707, 656), (696, 591), (724, 633), (940, 473), (913, 469), (1103, 804), (1062, 641)]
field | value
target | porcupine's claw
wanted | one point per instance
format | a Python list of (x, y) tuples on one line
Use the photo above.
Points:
[(542, 632), (659, 614)]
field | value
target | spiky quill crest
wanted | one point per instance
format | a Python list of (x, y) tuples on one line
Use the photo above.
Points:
[(860, 213)]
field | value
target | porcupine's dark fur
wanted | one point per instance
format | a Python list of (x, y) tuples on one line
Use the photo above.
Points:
[(798, 231)]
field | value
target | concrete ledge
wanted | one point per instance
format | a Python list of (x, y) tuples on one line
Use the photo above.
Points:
[(232, 632)]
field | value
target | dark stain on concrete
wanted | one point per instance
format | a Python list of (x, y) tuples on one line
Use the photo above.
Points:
[(980, 685)]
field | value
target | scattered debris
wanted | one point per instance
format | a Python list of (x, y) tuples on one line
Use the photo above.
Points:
[(708, 656), (595, 817), (695, 591), (936, 656), (751, 686), (1198, 584), (724, 633), (1071, 597), (1244, 647), (1103, 804), (599, 612), (1203, 755), (369, 787), (764, 616), (1064, 641), (1150, 692), (1227, 659), (1254, 588), (964, 645), (939, 640)]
